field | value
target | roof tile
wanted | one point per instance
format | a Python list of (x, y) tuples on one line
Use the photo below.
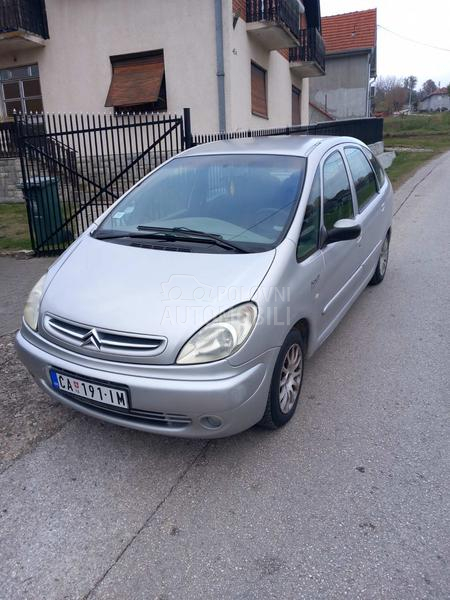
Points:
[(350, 31)]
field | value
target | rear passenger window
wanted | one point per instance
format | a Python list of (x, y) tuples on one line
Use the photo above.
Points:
[(309, 236), (337, 196), (379, 171), (363, 176)]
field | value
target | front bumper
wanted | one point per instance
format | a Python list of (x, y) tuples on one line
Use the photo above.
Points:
[(236, 396)]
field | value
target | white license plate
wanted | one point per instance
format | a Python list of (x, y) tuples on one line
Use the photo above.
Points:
[(87, 389)]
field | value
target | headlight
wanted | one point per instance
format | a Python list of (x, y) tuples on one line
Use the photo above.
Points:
[(31, 310), (221, 337)]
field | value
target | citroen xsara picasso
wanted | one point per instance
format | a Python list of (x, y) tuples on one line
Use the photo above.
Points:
[(188, 308)]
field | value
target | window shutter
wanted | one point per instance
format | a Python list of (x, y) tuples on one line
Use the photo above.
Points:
[(259, 92), (136, 81)]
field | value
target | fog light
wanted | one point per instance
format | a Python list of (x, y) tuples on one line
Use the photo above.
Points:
[(211, 422)]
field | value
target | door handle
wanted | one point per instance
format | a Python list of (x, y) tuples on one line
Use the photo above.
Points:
[(382, 207)]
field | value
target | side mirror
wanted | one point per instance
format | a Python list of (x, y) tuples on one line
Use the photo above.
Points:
[(344, 229)]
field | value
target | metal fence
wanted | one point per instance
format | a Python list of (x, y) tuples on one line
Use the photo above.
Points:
[(286, 12), (75, 166), (368, 130)]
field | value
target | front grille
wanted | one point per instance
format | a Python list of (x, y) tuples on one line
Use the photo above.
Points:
[(102, 342)]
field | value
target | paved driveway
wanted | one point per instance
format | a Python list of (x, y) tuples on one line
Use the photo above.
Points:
[(350, 499)]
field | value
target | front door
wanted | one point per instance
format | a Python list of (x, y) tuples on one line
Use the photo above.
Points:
[(342, 274)]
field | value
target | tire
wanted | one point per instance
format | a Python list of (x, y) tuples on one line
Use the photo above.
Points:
[(382, 263), (281, 407)]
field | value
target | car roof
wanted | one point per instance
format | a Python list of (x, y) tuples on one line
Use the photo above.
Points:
[(288, 145)]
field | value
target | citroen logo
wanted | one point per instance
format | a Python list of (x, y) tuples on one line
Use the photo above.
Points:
[(92, 339)]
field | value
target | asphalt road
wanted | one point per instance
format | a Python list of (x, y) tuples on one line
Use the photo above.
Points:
[(351, 499)]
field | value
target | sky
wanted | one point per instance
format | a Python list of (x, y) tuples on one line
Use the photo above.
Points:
[(427, 22)]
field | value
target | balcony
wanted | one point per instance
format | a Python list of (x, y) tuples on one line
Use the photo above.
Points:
[(274, 23), (308, 59), (23, 25)]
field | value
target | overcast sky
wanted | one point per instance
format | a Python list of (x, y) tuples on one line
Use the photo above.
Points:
[(427, 22)]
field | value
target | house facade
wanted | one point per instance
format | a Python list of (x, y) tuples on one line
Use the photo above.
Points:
[(238, 64), (437, 101), (351, 44)]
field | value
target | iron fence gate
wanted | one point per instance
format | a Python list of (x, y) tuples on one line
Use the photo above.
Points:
[(75, 166)]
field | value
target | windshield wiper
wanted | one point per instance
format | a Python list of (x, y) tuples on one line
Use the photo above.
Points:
[(171, 235), (194, 235)]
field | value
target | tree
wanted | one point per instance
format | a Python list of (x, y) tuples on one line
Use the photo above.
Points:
[(448, 89), (391, 94), (428, 88), (410, 82)]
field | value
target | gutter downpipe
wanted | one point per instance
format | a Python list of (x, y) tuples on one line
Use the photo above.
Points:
[(220, 68)]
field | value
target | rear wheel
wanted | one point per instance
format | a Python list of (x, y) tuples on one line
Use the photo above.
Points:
[(286, 382), (380, 271)]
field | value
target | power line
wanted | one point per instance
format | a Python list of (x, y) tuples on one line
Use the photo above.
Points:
[(413, 41)]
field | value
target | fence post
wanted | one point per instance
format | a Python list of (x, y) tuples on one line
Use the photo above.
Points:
[(187, 138), (18, 133)]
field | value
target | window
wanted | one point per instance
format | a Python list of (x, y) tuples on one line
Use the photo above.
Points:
[(259, 91), (337, 196), (247, 199), (138, 83), (20, 90), (296, 120), (309, 236), (363, 177), (379, 171)]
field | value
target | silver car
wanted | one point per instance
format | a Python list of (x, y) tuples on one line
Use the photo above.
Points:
[(189, 307)]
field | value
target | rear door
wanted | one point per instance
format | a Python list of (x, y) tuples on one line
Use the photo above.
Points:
[(369, 206), (342, 275)]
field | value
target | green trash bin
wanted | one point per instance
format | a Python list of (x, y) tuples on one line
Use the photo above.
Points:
[(45, 211)]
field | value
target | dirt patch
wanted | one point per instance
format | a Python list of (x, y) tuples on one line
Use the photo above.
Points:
[(27, 416)]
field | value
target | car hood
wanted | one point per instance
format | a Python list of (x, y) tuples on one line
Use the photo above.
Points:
[(151, 292)]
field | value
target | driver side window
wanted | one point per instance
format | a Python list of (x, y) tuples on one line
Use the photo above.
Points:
[(337, 195)]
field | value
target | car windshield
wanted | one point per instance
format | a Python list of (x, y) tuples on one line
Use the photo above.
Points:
[(247, 200)]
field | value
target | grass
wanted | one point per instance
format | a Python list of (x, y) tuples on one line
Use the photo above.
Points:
[(14, 227), (426, 132)]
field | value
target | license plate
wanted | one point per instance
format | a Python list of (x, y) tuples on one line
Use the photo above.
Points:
[(87, 389)]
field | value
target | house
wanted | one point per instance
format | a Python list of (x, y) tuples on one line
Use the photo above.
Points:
[(351, 53), (238, 64), (437, 101)]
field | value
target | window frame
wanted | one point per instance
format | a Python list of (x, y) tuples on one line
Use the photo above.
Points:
[(22, 98), (369, 155), (331, 151), (258, 67), (318, 173), (359, 210)]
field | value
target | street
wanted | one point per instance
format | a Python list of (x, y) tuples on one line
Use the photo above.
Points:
[(350, 499)]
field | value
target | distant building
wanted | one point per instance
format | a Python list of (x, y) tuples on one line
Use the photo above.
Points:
[(437, 101), (351, 51)]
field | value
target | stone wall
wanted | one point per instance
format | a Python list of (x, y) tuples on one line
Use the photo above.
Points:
[(10, 177)]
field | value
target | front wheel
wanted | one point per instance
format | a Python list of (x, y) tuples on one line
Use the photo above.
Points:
[(286, 383), (380, 271)]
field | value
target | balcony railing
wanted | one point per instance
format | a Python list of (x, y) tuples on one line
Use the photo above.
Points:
[(311, 50), (282, 12), (23, 15)]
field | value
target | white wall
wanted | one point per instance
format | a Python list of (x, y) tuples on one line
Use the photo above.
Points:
[(75, 67), (435, 102), (240, 50)]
